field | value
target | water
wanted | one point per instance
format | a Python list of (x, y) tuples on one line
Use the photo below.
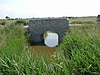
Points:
[(51, 41), (44, 51)]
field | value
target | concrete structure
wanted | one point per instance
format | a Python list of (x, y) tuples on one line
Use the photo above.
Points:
[(38, 26)]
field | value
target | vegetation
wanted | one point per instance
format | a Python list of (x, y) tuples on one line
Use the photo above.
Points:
[(14, 21), (3, 22), (78, 54), (82, 50), (7, 17), (12, 47), (83, 20), (23, 22)]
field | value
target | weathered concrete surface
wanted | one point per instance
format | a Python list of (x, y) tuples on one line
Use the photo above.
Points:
[(37, 27)]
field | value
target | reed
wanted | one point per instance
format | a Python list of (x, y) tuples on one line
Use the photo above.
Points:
[(78, 54)]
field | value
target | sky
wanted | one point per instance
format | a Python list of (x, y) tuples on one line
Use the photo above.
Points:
[(48, 8)]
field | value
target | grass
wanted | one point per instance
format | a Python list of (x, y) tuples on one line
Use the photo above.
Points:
[(16, 22), (14, 44), (83, 20), (81, 48), (78, 54)]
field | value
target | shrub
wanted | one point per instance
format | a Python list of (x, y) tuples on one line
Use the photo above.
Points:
[(19, 22), (2, 22)]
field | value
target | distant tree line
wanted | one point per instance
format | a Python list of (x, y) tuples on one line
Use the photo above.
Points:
[(9, 18)]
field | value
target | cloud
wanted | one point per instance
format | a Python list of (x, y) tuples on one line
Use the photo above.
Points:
[(45, 8)]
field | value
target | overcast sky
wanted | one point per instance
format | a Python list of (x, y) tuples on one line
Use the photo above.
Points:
[(48, 8)]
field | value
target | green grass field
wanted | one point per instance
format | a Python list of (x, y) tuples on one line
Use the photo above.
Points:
[(83, 20), (78, 54)]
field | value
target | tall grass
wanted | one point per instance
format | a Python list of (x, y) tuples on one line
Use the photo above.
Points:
[(82, 48), (78, 54), (15, 57), (13, 46)]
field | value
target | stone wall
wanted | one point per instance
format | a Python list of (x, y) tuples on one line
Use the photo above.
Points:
[(37, 27)]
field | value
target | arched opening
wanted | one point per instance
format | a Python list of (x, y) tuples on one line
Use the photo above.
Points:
[(50, 39)]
